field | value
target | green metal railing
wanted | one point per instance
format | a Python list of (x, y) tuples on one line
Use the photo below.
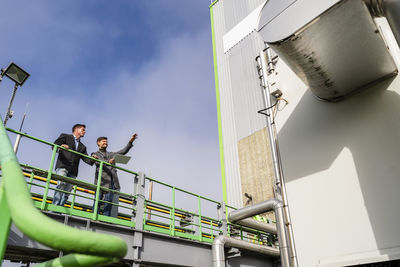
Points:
[(159, 222), (157, 217), (87, 248)]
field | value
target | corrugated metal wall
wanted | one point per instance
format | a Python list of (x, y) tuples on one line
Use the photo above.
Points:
[(240, 93), (236, 10), (246, 91)]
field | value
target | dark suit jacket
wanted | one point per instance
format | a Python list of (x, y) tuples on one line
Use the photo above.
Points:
[(69, 160), (108, 171)]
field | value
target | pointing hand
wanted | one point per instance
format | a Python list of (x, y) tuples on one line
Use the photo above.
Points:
[(133, 138)]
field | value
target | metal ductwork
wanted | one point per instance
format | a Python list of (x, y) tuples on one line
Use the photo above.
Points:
[(241, 215), (389, 9), (333, 46), (262, 226), (222, 241)]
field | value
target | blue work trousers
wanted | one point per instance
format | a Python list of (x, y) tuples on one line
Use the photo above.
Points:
[(106, 196), (60, 197)]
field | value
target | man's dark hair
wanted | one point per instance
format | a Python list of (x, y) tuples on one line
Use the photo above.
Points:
[(78, 125), (101, 138)]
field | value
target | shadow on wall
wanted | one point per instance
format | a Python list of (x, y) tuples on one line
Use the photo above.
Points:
[(368, 124)]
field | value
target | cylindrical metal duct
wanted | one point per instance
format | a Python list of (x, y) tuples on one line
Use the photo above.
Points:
[(252, 210), (218, 253), (269, 228), (335, 51), (263, 207), (391, 9)]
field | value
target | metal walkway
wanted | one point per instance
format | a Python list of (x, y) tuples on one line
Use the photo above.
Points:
[(156, 234), (157, 249)]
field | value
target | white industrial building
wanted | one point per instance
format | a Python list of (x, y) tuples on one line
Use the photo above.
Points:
[(339, 134)]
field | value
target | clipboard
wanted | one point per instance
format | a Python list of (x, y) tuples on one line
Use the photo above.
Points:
[(122, 159)]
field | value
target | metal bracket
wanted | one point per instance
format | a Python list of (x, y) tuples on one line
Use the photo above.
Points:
[(139, 190)]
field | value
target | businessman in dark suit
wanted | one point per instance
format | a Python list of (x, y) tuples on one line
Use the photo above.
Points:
[(67, 162)]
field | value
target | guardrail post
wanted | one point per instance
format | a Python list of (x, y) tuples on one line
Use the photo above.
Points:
[(196, 222), (139, 191), (97, 196), (31, 181), (5, 220), (172, 214), (199, 223), (73, 197), (222, 217), (49, 173)]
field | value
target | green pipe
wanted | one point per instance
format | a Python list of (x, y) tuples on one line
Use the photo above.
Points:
[(5, 220), (41, 228), (72, 260)]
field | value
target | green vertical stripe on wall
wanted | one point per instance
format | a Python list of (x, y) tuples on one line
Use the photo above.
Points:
[(221, 143), (212, 4)]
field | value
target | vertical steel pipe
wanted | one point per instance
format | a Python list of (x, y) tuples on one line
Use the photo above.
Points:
[(220, 242), (265, 60), (263, 207)]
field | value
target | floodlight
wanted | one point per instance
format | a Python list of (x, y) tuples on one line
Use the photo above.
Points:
[(19, 76), (15, 73)]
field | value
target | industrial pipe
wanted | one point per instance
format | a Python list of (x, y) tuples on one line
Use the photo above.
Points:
[(221, 241), (263, 207), (37, 226), (389, 9), (253, 210), (265, 60), (261, 226), (241, 215), (333, 46)]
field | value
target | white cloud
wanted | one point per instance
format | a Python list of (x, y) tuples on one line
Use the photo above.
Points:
[(169, 101)]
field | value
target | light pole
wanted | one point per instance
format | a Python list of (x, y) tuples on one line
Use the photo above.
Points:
[(19, 76)]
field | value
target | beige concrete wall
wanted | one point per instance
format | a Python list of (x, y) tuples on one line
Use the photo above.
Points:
[(256, 168)]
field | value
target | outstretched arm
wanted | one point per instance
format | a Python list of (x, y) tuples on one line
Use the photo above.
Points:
[(128, 146), (133, 138)]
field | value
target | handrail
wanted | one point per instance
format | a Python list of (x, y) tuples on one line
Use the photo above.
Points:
[(100, 248), (198, 227), (69, 150), (114, 166)]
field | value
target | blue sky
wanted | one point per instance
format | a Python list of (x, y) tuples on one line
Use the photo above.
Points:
[(119, 67)]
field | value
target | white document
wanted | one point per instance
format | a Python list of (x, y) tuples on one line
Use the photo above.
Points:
[(121, 159)]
